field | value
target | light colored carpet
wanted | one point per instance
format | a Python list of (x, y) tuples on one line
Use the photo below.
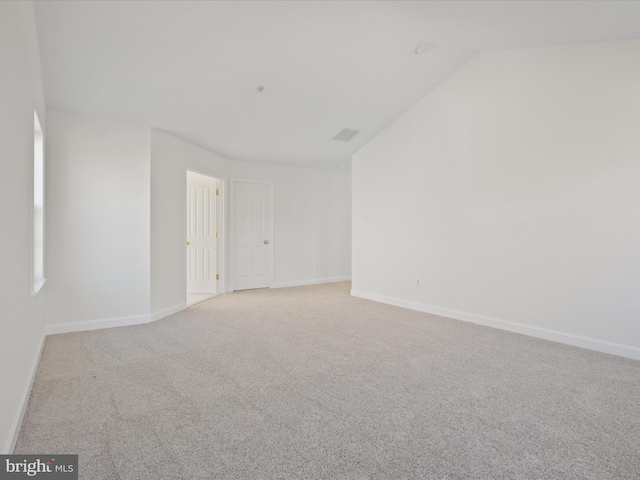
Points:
[(308, 382)]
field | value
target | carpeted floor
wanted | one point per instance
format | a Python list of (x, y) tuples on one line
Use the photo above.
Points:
[(308, 382)]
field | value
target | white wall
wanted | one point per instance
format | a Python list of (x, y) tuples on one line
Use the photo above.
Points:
[(512, 191), (312, 221), (116, 221), (170, 159), (21, 316), (98, 222)]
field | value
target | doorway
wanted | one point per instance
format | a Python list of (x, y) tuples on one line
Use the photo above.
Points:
[(251, 234), (203, 237)]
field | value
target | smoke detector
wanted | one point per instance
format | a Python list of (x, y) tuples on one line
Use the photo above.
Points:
[(345, 135)]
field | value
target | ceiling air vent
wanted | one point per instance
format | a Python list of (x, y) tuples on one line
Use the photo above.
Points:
[(345, 135)]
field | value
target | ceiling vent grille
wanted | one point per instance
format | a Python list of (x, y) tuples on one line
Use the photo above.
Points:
[(345, 135)]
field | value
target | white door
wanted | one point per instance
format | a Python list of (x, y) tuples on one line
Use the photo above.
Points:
[(201, 233), (252, 246)]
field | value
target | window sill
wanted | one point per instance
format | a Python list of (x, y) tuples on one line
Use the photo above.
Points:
[(37, 286)]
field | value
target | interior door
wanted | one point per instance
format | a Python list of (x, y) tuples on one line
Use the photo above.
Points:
[(201, 233), (252, 247)]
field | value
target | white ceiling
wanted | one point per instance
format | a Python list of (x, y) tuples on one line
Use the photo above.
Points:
[(193, 68)]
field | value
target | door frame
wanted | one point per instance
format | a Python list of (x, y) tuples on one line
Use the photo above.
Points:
[(232, 227), (221, 220)]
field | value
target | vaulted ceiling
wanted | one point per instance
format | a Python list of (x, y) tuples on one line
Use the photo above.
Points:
[(193, 68)]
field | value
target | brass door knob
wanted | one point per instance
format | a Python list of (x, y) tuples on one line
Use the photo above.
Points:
[(266, 242), (188, 243)]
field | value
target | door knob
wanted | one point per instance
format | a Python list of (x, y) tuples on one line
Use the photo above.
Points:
[(266, 242), (188, 243)]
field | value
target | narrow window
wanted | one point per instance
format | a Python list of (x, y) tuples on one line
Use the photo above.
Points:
[(38, 205)]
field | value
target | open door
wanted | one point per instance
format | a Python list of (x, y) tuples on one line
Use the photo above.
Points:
[(202, 237)]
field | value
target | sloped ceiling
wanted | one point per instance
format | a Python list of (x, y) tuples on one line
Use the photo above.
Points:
[(193, 68)]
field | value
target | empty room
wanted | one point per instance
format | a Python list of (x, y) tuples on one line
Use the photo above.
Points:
[(320, 240)]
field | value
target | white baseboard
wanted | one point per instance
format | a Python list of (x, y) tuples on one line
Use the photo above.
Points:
[(553, 335), (114, 322), (314, 281), (98, 324), (17, 422), (165, 312)]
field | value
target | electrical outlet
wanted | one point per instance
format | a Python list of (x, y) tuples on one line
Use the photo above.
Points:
[(417, 281)]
